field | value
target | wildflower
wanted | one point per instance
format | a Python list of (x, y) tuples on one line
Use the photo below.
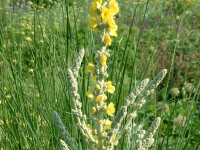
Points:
[(14, 61), (89, 126), (113, 6), (30, 70), (28, 39), (90, 67), (37, 95), (110, 110), (103, 60), (100, 122), (100, 98), (188, 87), (97, 86), (107, 124), (95, 6), (8, 96), (179, 121), (32, 61), (89, 93), (104, 134), (174, 92), (107, 39), (105, 14), (166, 108), (94, 109), (112, 27), (22, 33), (112, 138), (110, 87), (93, 22), (93, 78)]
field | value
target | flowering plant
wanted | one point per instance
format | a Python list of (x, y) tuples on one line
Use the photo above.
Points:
[(104, 133)]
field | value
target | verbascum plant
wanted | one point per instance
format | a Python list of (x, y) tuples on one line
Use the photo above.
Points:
[(104, 133)]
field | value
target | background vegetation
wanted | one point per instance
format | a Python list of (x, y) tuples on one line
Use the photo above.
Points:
[(39, 40)]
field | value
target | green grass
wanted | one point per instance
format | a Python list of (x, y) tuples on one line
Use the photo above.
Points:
[(28, 99)]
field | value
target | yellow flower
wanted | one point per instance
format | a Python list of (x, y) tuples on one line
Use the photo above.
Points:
[(110, 110), (31, 70), (113, 5), (90, 128), (94, 109), (90, 67), (100, 122), (100, 98), (112, 138), (89, 93), (8, 96), (93, 78), (112, 32), (28, 39), (110, 87), (112, 27), (97, 86), (107, 39), (93, 22), (107, 124), (103, 60), (22, 33), (105, 14), (95, 6)]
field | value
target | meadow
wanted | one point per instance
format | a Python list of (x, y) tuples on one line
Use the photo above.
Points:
[(39, 42)]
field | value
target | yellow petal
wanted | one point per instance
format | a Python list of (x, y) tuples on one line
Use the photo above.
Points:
[(113, 6), (89, 93), (105, 14), (111, 89), (107, 124), (110, 110), (90, 67), (93, 78), (103, 60), (107, 39)]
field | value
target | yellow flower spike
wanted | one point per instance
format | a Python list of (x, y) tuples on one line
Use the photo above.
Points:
[(107, 39), (103, 60), (105, 14), (107, 124), (89, 93), (93, 78), (90, 67), (114, 8), (110, 110), (110, 87), (94, 109)]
